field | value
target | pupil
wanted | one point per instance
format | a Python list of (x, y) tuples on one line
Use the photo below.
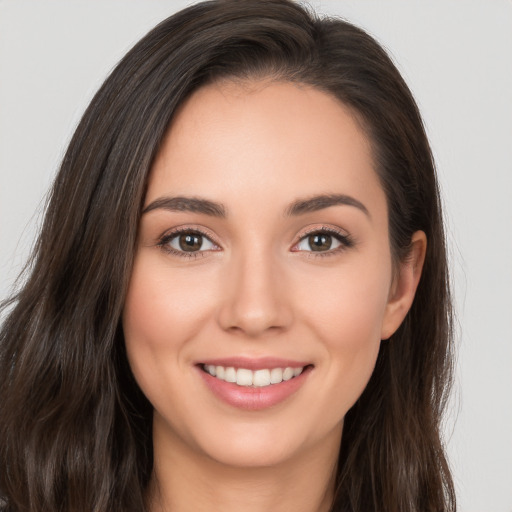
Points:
[(320, 242), (190, 242)]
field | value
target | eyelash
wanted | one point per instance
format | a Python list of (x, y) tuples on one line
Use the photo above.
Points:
[(346, 242), (164, 241)]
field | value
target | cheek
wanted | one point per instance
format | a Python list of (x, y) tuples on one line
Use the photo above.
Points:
[(347, 304), (161, 313), (164, 307), (345, 311)]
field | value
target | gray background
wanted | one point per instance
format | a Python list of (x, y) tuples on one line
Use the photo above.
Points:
[(456, 57)]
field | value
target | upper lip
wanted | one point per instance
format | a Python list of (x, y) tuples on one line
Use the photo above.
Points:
[(259, 363)]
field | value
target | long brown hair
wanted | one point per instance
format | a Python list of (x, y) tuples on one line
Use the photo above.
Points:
[(75, 429)]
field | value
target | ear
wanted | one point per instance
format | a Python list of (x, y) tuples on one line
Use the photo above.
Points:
[(405, 283)]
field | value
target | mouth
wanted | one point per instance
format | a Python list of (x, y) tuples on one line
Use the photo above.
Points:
[(246, 377), (254, 384)]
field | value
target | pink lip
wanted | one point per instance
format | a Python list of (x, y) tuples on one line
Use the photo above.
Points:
[(254, 398), (255, 363)]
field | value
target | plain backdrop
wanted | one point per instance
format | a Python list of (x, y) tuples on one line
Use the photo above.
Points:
[(457, 58)]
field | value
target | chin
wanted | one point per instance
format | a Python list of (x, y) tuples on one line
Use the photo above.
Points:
[(244, 453), (262, 445)]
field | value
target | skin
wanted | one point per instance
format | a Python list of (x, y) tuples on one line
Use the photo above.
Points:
[(258, 289)]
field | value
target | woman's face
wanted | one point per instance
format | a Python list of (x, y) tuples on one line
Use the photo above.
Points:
[(263, 253)]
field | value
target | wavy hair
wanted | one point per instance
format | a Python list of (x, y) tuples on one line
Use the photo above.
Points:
[(75, 429)]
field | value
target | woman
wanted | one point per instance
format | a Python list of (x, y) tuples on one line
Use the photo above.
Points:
[(239, 297)]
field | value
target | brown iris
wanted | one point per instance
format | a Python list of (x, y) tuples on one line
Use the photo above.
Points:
[(190, 242), (320, 242)]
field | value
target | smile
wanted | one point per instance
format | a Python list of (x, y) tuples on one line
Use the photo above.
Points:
[(258, 378), (254, 384)]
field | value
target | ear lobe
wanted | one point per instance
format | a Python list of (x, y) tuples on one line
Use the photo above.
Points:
[(404, 285)]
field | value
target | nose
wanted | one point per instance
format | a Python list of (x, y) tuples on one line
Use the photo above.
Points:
[(256, 298)]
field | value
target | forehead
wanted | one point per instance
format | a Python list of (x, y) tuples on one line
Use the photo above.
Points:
[(276, 139)]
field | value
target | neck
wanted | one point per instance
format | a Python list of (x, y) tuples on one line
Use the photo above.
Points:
[(191, 482)]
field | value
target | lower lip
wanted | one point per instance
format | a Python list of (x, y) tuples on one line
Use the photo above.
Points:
[(254, 398)]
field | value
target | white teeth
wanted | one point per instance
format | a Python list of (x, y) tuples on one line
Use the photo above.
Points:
[(230, 375), (257, 378), (244, 377), (276, 375), (261, 378), (288, 373)]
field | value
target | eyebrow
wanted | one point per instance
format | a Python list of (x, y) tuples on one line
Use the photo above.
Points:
[(315, 203), (187, 204), (298, 207)]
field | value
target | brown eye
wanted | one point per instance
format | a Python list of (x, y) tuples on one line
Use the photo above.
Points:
[(320, 242), (190, 242), (323, 241)]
